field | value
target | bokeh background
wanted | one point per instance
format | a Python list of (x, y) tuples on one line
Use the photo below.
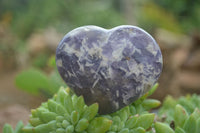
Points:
[(30, 31)]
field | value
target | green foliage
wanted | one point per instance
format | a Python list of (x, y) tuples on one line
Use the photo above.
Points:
[(187, 12), (189, 103), (153, 16), (18, 129), (182, 115), (65, 15), (66, 112), (36, 81)]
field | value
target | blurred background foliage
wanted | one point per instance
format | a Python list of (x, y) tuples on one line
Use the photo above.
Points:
[(30, 30)]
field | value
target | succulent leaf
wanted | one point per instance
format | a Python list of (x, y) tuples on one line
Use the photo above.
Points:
[(74, 117), (7, 129), (130, 123), (19, 127), (150, 103), (82, 125), (90, 112), (162, 128), (180, 116), (145, 120), (125, 130), (35, 121), (190, 125), (99, 125), (68, 104), (179, 130), (45, 128), (137, 130)]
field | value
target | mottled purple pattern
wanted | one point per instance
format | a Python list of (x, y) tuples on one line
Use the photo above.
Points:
[(112, 67)]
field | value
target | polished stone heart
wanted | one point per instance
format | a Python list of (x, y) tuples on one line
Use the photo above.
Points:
[(112, 67)]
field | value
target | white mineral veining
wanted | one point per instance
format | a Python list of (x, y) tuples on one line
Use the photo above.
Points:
[(151, 48), (117, 54), (59, 62)]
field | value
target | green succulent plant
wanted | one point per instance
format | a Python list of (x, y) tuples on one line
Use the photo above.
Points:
[(68, 113), (181, 116)]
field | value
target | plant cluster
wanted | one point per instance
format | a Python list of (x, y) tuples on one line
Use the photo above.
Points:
[(67, 113), (183, 115)]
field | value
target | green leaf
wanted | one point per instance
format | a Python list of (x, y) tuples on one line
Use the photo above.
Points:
[(124, 113), (142, 98), (68, 104), (82, 125), (61, 95), (65, 123), (48, 116), (35, 121), (145, 121), (190, 125), (70, 129), (99, 125), (32, 81), (130, 123), (125, 130), (60, 130), (79, 105), (137, 130), (150, 103), (132, 110), (153, 89), (74, 117), (91, 111), (180, 116), (196, 113), (45, 128), (7, 129), (162, 128), (179, 130), (56, 107), (19, 127)]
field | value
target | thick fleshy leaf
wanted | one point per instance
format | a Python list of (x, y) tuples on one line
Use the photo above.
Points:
[(79, 105), (81, 125), (19, 127), (130, 123), (180, 116), (137, 130), (150, 103), (162, 128), (99, 125), (45, 128), (7, 129), (74, 117), (179, 130), (145, 121), (190, 125), (90, 112), (125, 130), (35, 121)]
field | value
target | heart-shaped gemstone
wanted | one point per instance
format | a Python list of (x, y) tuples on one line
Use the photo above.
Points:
[(111, 67)]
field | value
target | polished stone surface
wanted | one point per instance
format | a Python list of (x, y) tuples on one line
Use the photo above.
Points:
[(112, 67)]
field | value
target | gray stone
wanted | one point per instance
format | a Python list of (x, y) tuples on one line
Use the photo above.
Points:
[(111, 67)]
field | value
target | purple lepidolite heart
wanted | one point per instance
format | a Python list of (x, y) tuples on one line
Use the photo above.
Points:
[(111, 67)]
